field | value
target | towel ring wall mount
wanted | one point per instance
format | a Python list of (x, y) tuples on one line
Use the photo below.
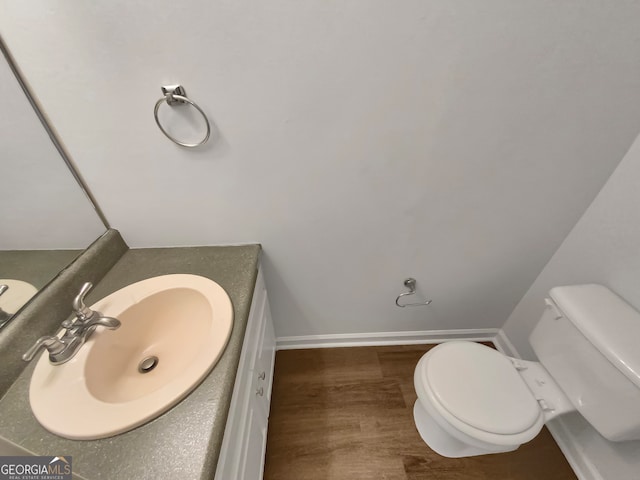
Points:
[(175, 95)]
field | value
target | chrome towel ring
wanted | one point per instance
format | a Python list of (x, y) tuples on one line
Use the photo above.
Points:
[(175, 95)]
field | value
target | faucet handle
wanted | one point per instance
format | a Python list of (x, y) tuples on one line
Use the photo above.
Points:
[(79, 308), (51, 343), (3, 288)]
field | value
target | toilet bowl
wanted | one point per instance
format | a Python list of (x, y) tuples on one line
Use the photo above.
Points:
[(473, 400)]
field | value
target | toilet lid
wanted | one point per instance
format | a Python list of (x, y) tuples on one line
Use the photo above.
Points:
[(479, 386)]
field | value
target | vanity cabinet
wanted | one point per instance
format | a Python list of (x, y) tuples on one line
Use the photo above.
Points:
[(245, 437)]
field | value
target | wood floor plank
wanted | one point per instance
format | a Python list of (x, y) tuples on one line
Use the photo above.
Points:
[(327, 366), (350, 464), (313, 432), (356, 395), (346, 413)]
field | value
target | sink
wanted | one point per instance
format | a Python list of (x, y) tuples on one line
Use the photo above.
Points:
[(173, 330)]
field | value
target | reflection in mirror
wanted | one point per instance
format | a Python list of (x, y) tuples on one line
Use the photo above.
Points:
[(45, 218)]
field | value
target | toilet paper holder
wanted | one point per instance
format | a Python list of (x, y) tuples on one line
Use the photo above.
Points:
[(410, 283)]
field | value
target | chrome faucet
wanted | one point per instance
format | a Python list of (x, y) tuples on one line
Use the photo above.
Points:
[(78, 329)]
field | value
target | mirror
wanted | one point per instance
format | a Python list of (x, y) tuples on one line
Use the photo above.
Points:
[(46, 219)]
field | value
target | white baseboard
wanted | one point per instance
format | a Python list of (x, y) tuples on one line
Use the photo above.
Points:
[(504, 345), (385, 338), (580, 463)]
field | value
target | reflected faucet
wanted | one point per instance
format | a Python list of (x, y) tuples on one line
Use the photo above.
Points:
[(78, 329)]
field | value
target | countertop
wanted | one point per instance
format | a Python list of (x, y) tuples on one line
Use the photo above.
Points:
[(183, 443)]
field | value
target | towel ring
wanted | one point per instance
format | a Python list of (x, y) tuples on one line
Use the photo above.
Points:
[(175, 95)]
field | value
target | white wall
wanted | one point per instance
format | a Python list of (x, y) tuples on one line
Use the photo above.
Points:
[(604, 247), (41, 206), (361, 142)]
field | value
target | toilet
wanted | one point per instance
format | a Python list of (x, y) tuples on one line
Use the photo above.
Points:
[(473, 400)]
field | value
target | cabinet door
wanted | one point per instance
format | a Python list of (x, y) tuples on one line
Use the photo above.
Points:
[(255, 442)]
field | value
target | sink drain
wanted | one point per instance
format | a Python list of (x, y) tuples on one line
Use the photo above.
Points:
[(148, 364)]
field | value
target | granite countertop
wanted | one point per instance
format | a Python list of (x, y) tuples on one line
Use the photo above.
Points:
[(185, 441)]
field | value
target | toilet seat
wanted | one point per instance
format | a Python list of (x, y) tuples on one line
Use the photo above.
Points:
[(477, 391)]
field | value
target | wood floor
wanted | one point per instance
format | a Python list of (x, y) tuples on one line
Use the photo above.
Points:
[(346, 413)]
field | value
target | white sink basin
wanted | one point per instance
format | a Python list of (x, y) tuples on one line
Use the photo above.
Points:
[(174, 329)]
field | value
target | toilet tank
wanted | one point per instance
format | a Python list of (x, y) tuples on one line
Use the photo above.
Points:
[(589, 340)]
